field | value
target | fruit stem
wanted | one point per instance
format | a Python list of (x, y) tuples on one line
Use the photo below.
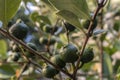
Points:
[(89, 33)]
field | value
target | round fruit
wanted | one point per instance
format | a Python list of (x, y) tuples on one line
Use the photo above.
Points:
[(33, 46), (10, 23), (58, 61), (69, 26), (49, 71), (52, 40), (43, 40), (85, 24), (69, 53), (19, 30), (47, 29), (87, 56)]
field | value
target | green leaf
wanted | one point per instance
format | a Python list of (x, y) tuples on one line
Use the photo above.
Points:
[(7, 9), (107, 65), (3, 48), (70, 17), (78, 7), (6, 71)]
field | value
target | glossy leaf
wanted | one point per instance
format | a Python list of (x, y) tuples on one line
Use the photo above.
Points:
[(78, 7), (69, 17), (7, 9), (3, 48)]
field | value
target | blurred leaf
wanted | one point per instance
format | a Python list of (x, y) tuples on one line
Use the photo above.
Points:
[(36, 17), (46, 2), (78, 7), (110, 50), (118, 71), (86, 67), (58, 45), (116, 44), (6, 71), (3, 48), (103, 36), (63, 38), (118, 74), (107, 64), (69, 17), (7, 10), (116, 66), (116, 26), (25, 1), (96, 32)]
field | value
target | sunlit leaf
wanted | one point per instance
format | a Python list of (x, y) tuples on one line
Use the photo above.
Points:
[(78, 7), (7, 9), (69, 17)]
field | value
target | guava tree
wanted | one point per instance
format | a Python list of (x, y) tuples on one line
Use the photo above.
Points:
[(59, 39)]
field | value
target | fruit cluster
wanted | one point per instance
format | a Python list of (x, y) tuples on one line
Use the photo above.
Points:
[(69, 53)]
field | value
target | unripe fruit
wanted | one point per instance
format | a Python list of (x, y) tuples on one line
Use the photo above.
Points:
[(33, 46), (85, 24), (47, 29), (10, 23), (56, 59), (43, 40), (69, 53), (87, 56), (19, 30), (49, 71), (69, 26), (52, 40)]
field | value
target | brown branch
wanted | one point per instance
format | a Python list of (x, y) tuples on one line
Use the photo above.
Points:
[(89, 33)]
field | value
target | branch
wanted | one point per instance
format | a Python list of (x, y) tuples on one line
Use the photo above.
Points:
[(89, 33), (6, 34)]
